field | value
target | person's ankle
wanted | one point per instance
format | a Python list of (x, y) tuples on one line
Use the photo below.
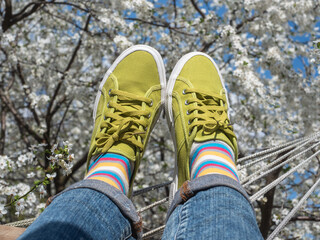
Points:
[(113, 169), (212, 157)]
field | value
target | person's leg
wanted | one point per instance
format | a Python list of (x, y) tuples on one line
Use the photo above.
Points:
[(217, 213), (210, 202), (81, 213)]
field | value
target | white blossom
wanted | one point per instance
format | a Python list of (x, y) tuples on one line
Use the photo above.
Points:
[(51, 176), (122, 42), (3, 211)]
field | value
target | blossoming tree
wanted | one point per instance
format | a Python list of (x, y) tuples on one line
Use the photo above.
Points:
[(53, 54)]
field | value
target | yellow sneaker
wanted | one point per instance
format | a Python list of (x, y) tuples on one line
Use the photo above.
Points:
[(196, 110), (128, 104)]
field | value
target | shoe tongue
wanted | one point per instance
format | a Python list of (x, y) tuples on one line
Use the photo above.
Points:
[(124, 149)]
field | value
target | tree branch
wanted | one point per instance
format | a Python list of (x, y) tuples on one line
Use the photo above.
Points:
[(206, 46), (3, 128), (50, 113), (23, 82), (19, 119), (266, 208), (198, 9), (164, 25), (70, 4), (306, 218), (62, 120), (11, 19), (7, 15)]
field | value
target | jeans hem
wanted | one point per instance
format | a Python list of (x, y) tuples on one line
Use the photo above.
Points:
[(190, 188), (124, 204)]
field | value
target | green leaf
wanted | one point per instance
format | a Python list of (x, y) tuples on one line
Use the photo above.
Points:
[(245, 63), (318, 45), (46, 182), (53, 166), (37, 182), (162, 209), (9, 167)]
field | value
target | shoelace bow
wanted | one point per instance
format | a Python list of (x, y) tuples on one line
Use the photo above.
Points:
[(209, 113), (124, 120)]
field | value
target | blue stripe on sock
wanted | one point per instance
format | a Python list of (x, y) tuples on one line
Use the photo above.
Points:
[(214, 162), (208, 145)]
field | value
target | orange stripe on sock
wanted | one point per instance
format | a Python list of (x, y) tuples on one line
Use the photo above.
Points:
[(107, 180), (215, 154), (110, 164), (216, 171)]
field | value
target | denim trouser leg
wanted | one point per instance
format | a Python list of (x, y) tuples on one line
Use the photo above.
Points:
[(216, 213), (84, 213), (209, 207)]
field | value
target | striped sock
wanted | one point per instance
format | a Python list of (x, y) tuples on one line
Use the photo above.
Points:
[(113, 169), (214, 157)]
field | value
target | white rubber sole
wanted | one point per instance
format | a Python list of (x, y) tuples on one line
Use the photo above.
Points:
[(169, 112), (161, 70)]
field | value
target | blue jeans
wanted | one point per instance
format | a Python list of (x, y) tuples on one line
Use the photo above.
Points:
[(90, 212), (217, 213)]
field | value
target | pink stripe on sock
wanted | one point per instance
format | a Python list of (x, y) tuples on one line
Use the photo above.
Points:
[(211, 148), (216, 165), (105, 174)]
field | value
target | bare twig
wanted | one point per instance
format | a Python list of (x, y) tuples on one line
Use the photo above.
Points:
[(11, 19), (198, 9), (3, 128), (23, 82), (62, 120), (50, 113), (19, 119), (157, 24)]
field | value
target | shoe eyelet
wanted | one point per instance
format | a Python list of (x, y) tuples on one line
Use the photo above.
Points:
[(189, 122), (184, 92), (150, 104), (110, 92), (149, 115), (145, 128), (142, 140), (188, 113), (190, 133), (186, 102), (108, 105)]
